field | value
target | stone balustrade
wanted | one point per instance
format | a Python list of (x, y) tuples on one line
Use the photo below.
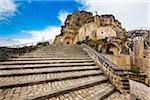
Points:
[(138, 77), (116, 75)]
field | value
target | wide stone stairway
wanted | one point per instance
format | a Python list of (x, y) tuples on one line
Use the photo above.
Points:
[(63, 72)]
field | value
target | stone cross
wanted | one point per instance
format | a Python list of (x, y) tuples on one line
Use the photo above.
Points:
[(96, 12)]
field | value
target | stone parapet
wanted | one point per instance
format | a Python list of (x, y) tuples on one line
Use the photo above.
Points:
[(138, 77), (116, 75)]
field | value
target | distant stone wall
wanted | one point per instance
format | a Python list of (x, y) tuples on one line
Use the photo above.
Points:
[(6, 53), (141, 58), (144, 65), (139, 91), (123, 61)]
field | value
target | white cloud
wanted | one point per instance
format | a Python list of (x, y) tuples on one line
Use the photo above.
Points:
[(62, 16), (7, 9), (7, 42), (132, 14), (48, 33)]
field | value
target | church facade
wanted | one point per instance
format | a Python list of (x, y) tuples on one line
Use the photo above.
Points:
[(94, 30)]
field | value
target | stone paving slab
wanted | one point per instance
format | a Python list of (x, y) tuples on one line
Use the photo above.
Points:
[(84, 94), (4, 67), (34, 56), (117, 96), (13, 81), (42, 58), (70, 87), (21, 93), (18, 72), (43, 61), (53, 53), (28, 77)]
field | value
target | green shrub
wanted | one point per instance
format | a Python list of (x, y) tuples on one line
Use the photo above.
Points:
[(123, 39), (135, 70), (3, 58)]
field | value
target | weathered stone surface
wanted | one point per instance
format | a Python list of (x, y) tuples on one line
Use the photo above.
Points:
[(78, 19), (138, 33), (139, 90), (61, 79)]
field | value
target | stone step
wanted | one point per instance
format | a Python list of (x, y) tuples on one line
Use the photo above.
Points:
[(43, 62), (54, 72), (104, 94), (39, 59), (69, 88), (51, 88), (46, 56), (21, 57), (31, 66), (56, 52), (59, 53), (17, 81), (118, 96), (88, 93), (56, 55), (19, 72)]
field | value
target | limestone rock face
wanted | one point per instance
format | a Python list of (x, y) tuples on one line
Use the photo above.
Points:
[(71, 26), (138, 33), (109, 20), (78, 19)]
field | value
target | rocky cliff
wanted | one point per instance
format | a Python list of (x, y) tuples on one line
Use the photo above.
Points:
[(79, 18), (138, 33)]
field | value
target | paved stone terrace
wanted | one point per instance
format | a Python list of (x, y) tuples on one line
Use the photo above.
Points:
[(62, 72)]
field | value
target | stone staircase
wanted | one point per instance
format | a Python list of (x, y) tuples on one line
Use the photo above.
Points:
[(63, 72)]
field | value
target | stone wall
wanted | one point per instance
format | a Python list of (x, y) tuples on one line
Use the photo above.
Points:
[(6, 53), (139, 91), (141, 56), (94, 31), (123, 61), (144, 65)]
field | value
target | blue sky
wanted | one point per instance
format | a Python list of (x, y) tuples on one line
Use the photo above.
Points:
[(33, 20), (34, 15)]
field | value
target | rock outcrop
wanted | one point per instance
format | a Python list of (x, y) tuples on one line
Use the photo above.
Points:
[(79, 18), (138, 33)]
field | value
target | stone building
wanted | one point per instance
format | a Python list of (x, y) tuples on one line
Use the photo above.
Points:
[(81, 24), (95, 31), (141, 56)]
